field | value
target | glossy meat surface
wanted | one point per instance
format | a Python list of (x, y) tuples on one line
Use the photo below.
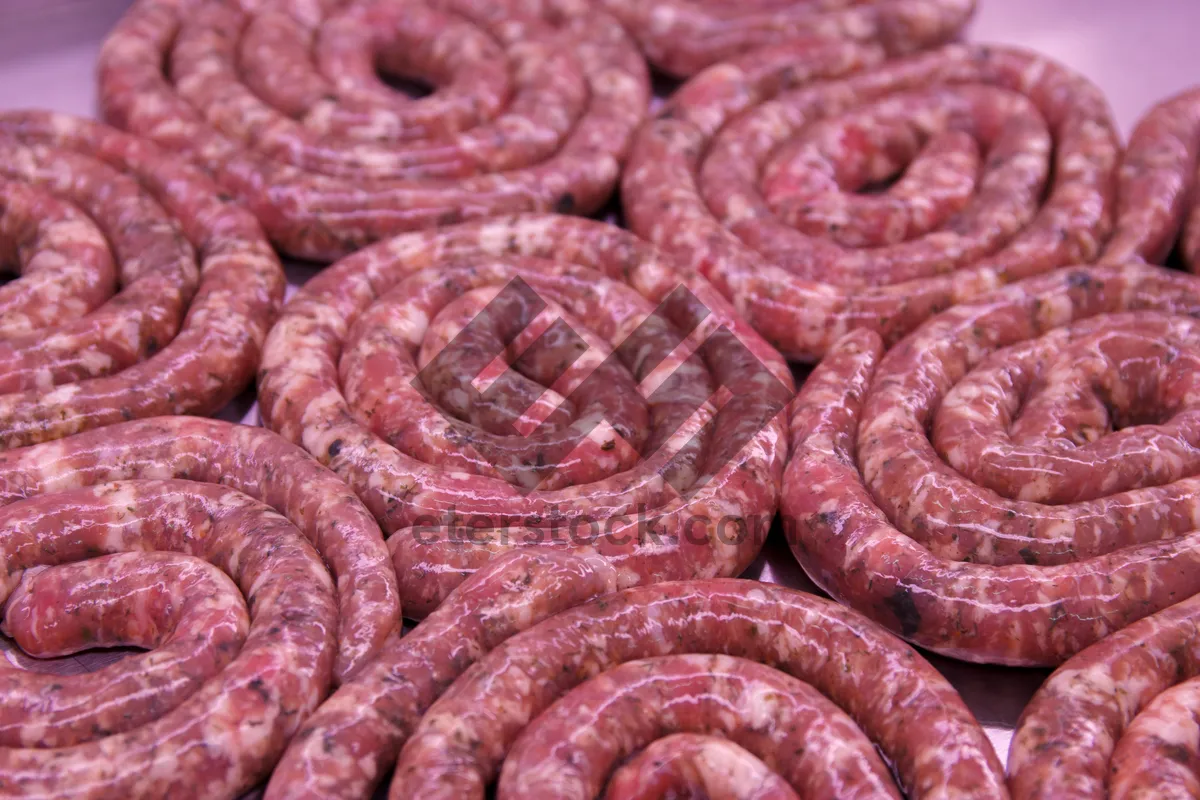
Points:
[(660, 442), (141, 292), (1119, 719), (536, 676), (682, 37), (826, 189), (1015, 479), (533, 108)]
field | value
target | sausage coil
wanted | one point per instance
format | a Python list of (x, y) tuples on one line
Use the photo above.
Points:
[(86, 211), (209, 544), (745, 680), (172, 474), (534, 107), (1017, 478), (632, 412), (824, 190), (1119, 719)]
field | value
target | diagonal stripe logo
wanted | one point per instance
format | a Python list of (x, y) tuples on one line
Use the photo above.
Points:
[(501, 369)]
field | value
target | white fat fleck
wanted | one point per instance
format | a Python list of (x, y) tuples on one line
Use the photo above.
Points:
[(61, 395), (737, 209), (1033, 73), (32, 732), (615, 82), (124, 499), (1035, 487), (536, 233), (662, 18), (756, 595), (63, 125), (95, 363), (494, 238), (306, 361)]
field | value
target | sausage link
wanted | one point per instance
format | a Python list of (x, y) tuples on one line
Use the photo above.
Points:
[(221, 739), (348, 745), (1117, 720), (665, 460), (691, 765), (61, 257), (1158, 208), (992, 488), (1159, 754), (682, 37), (534, 108), (208, 456), (570, 749), (84, 210), (752, 172), (898, 700), (186, 611)]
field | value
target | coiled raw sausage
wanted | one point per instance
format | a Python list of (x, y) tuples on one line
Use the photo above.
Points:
[(659, 442), (205, 463), (1158, 206), (766, 173), (86, 210), (1119, 719), (350, 743), (534, 109), (1017, 478), (682, 37), (184, 609), (107, 538), (564, 701)]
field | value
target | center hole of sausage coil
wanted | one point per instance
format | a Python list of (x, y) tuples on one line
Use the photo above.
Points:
[(411, 86)]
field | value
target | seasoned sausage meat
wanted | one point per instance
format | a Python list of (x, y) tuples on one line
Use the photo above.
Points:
[(141, 290), (534, 106), (1017, 478), (1118, 720), (682, 37), (209, 544), (202, 462), (534, 381), (825, 190), (1158, 203), (726, 682)]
